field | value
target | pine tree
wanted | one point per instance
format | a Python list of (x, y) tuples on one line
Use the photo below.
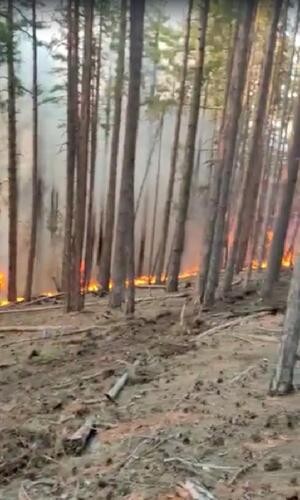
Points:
[(82, 163), (72, 135), (187, 171), (105, 261), (35, 174), (12, 158), (123, 263), (228, 137), (174, 154)]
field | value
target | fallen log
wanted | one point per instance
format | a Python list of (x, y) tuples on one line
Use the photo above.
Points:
[(119, 385), (78, 441)]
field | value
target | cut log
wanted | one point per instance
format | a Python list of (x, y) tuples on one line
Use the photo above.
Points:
[(119, 385), (78, 441)]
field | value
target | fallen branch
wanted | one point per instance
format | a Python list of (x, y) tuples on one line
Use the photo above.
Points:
[(195, 491), (198, 465), (152, 287), (164, 297), (47, 335), (248, 370), (242, 339), (119, 385), (77, 442), (241, 471), (31, 309), (224, 326)]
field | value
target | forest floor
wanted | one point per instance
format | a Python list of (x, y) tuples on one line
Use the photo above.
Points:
[(195, 409)]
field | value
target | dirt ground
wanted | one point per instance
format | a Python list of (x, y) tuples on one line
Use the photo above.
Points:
[(196, 408)]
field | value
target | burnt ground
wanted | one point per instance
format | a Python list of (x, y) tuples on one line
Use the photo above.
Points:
[(195, 408)]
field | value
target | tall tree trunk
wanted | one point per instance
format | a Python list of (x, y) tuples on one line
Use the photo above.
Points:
[(35, 179), (253, 168), (12, 160), (105, 261), (123, 263), (187, 170), (82, 165), (174, 153), (72, 126), (94, 142), (282, 380), (282, 221), (231, 122)]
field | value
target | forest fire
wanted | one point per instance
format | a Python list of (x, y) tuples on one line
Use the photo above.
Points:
[(94, 286), (286, 262)]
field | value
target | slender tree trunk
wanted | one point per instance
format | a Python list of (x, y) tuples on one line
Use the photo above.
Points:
[(123, 263), (35, 180), (105, 262), (72, 124), (282, 221), (147, 169), (12, 160), (141, 256), (100, 238), (282, 380), (253, 168), (187, 171), (231, 121), (152, 238), (174, 153), (81, 186), (94, 142)]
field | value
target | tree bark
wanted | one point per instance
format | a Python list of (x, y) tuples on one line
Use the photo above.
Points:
[(123, 262), (35, 180), (174, 153), (12, 160), (81, 184), (187, 170), (231, 121), (253, 168), (72, 130), (282, 380), (105, 261), (282, 221)]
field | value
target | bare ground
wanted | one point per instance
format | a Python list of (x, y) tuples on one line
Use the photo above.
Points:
[(195, 408)]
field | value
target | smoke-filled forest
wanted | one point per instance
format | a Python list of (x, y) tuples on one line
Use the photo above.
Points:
[(149, 249)]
